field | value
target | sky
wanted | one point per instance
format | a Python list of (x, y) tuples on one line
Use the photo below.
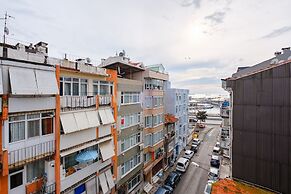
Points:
[(198, 41)]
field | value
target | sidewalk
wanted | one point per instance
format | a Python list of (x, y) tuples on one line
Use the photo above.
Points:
[(202, 134)]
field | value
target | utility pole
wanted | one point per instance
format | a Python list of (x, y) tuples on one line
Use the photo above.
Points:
[(6, 30)]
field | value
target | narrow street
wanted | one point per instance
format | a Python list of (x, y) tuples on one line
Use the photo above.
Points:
[(195, 178)]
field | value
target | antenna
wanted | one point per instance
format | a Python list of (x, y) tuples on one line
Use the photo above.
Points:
[(6, 30)]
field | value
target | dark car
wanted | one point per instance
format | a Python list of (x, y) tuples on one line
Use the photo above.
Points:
[(169, 188), (162, 190), (173, 179), (215, 161)]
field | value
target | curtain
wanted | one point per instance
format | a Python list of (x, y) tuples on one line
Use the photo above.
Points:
[(16, 131)]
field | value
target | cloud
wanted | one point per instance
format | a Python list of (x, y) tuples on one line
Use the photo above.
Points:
[(203, 80), (277, 32), (188, 3), (216, 18)]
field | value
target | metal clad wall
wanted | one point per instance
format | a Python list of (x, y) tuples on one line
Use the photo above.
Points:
[(262, 128)]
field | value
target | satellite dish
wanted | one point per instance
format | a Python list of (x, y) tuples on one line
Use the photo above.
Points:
[(88, 60)]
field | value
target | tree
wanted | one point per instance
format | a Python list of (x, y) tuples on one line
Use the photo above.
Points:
[(201, 115)]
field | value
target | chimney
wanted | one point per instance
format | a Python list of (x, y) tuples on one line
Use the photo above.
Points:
[(277, 53), (285, 50)]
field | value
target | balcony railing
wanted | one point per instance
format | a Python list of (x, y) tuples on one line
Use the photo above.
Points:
[(104, 100), (28, 154), (77, 102), (80, 102), (50, 189)]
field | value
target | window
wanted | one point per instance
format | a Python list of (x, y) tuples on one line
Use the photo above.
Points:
[(148, 121), (47, 123), (130, 97), (67, 82), (35, 170), (130, 120), (16, 177), (95, 87), (158, 119), (84, 87), (75, 87), (104, 88), (158, 136), (16, 128), (133, 182), (130, 142), (147, 157), (154, 84), (32, 124), (127, 166), (148, 140)]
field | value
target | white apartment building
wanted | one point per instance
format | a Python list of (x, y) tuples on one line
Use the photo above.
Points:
[(176, 103)]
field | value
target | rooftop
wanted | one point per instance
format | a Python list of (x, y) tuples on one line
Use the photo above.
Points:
[(229, 186)]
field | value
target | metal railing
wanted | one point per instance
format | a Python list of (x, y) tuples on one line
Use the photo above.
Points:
[(27, 154), (77, 102), (104, 100), (50, 189)]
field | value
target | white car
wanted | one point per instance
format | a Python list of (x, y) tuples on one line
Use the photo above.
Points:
[(217, 144), (196, 141), (182, 164), (216, 150), (188, 154), (213, 174)]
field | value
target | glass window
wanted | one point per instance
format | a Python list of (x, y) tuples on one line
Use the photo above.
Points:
[(67, 88), (33, 125), (35, 170), (16, 177), (95, 87), (75, 87), (47, 123), (84, 87), (16, 128)]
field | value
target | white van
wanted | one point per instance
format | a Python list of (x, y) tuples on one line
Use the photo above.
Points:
[(182, 164)]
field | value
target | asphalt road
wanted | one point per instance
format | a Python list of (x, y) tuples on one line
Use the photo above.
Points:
[(195, 178)]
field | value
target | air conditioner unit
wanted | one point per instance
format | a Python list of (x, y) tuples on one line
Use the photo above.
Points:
[(141, 146)]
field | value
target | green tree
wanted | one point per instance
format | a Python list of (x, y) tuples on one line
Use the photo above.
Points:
[(201, 115)]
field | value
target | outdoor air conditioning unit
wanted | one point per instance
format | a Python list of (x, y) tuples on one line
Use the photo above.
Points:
[(141, 146)]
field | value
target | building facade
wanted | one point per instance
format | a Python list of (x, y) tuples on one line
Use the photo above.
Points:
[(260, 123), (177, 104), (153, 78), (58, 129), (129, 123)]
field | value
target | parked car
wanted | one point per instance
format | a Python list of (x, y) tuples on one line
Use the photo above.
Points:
[(217, 144), (168, 188), (196, 141), (172, 179), (216, 150), (208, 187), (215, 161), (188, 154), (194, 148), (213, 174), (162, 190), (182, 164)]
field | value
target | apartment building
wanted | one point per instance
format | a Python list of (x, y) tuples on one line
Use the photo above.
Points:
[(88, 138), (129, 123), (260, 123), (58, 129), (170, 132), (176, 101), (28, 89), (153, 78)]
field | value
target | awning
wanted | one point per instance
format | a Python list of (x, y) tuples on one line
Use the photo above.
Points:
[(104, 130), (81, 120), (25, 81), (93, 118), (109, 115), (77, 121), (106, 149), (106, 116), (69, 123), (22, 81), (70, 151), (91, 186), (109, 179), (1, 82), (46, 82), (103, 183)]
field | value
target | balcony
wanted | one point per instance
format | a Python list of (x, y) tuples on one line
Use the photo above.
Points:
[(30, 153), (82, 173), (224, 112), (69, 103)]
